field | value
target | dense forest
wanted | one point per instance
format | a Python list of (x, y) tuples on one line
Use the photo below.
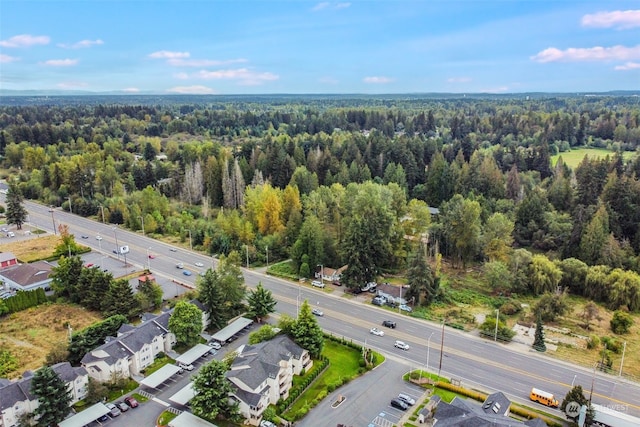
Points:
[(349, 181)]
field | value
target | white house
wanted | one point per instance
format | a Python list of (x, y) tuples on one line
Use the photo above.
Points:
[(263, 373), (16, 398), (27, 277), (132, 350)]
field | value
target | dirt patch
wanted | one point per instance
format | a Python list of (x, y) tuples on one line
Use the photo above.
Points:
[(31, 334)]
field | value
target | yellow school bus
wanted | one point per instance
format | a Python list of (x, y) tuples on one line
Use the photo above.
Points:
[(543, 397)]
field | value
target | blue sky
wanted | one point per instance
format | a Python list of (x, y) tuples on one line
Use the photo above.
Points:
[(298, 47)]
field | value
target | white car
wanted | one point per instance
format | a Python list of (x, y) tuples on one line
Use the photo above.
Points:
[(401, 345), (317, 312), (215, 345), (406, 308), (265, 423), (98, 237), (188, 367), (198, 264), (317, 284), (376, 331)]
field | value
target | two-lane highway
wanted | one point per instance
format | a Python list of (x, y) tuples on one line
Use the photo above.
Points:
[(476, 362)]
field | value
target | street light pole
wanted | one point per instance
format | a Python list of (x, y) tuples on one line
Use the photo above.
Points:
[(267, 248), (495, 336), (102, 210), (69, 198), (429, 348), (115, 235), (142, 219), (624, 349), (247, 248), (54, 222), (441, 350), (190, 241)]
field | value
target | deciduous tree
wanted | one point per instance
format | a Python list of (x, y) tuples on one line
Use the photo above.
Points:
[(186, 323), (212, 389)]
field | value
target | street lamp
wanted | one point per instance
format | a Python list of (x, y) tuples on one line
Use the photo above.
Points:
[(429, 348), (54, 222), (190, 241), (117, 246), (247, 248), (267, 249), (495, 336), (69, 198), (298, 303), (102, 210), (142, 219), (322, 273)]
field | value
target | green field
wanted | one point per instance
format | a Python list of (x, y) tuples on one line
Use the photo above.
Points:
[(574, 157)]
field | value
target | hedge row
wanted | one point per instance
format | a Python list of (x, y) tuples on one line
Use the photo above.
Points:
[(296, 391), (25, 299)]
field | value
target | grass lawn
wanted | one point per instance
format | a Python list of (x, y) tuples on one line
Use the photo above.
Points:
[(574, 157), (33, 249), (344, 365)]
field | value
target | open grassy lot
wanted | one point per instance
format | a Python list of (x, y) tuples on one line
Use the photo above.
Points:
[(32, 249), (30, 334), (574, 157)]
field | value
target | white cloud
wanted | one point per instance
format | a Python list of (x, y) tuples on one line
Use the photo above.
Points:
[(180, 62), (61, 62), (5, 59), (320, 6), (192, 90), (81, 44), (377, 79), (597, 53), (244, 76), (620, 19), (131, 90), (25, 40), (328, 80), (458, 79), (72, 85), (165, 54), (628, 66), (325, 5)]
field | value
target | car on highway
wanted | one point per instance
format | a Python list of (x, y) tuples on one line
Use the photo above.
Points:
[(131, 401), (405, 307), (399, 404), (401, 345), (84, 236), (317, 312), (317, 284), (198, 264), (389, 324), (98, 237), (173, 249), (376, 331), (186, 272), (152, 256), (179, 265)]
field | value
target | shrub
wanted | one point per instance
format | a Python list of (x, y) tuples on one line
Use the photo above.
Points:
[(621, 322), (612, 344), (593, 342), (510, 308)]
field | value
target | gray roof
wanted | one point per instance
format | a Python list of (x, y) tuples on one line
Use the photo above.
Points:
[(6, 256), (263, 360), (251, 399), (496, 403), (128, 341), (12, 392), (28, 274), (464, 413)]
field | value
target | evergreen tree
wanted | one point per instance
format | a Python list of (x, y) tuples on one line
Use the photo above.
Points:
[(16, 213), (576, 395), (149, 295), (538, 342), (212, 389), (261, 303), (119, 299), (53, 397), (420, 278), (306, 332)]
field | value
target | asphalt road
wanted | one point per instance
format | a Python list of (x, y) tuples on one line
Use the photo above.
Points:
[(476, 362)]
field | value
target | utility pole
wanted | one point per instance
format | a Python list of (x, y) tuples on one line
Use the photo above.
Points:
[(441, 349), (495, 336)]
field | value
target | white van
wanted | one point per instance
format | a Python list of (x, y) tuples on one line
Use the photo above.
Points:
[(188, 367), (317, 284)]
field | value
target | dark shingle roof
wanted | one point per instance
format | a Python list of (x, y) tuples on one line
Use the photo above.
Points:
[(461, 413), (109, 353), (28, 274), (68, 373), (251, 399)]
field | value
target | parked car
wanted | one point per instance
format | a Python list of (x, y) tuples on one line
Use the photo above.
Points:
[(376, 331), (179, 265), (317, 284), (188, 367), (98, 237), (122, 406), (265, 423), (410, 401), (401, 345), (131, 401), (389, 324), (405, 307), (399, 404), (173, 249), (373, 286), (113, 410), (379, 301), (215, 345), (103, 418), (317, 312), (365, 288)]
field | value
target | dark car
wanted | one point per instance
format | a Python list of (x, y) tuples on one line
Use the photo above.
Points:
[(131, 401), (399, 404), (389, 324), (103, 418)]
